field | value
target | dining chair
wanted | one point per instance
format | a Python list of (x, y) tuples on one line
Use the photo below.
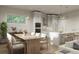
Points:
[(44, 40), (13, 44), (54, 38)]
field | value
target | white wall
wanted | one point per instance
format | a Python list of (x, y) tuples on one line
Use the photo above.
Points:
[(71, 22), (11, 11)]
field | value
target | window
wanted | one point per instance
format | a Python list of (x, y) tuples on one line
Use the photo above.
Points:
[(15, 19)]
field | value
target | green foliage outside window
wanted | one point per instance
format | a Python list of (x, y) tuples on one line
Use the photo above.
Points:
[(15, 19)]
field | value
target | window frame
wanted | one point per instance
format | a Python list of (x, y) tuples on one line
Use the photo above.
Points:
[(18, 21)]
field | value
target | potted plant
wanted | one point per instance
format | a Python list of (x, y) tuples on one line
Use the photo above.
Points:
[(3, 30)]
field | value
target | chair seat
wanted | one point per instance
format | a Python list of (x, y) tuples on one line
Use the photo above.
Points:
[(18, 46), (17, 42)]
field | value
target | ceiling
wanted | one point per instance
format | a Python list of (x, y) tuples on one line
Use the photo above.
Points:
[(49, 9)]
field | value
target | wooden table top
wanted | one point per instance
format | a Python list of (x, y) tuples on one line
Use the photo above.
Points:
[(27, 36)]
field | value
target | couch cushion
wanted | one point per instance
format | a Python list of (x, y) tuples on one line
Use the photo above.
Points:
[(69, 44), (76, 46)]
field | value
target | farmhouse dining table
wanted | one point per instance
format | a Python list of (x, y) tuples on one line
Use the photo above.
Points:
[(32, 43)]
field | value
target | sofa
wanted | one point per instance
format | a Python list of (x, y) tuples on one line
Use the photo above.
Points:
[(68, 48)]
